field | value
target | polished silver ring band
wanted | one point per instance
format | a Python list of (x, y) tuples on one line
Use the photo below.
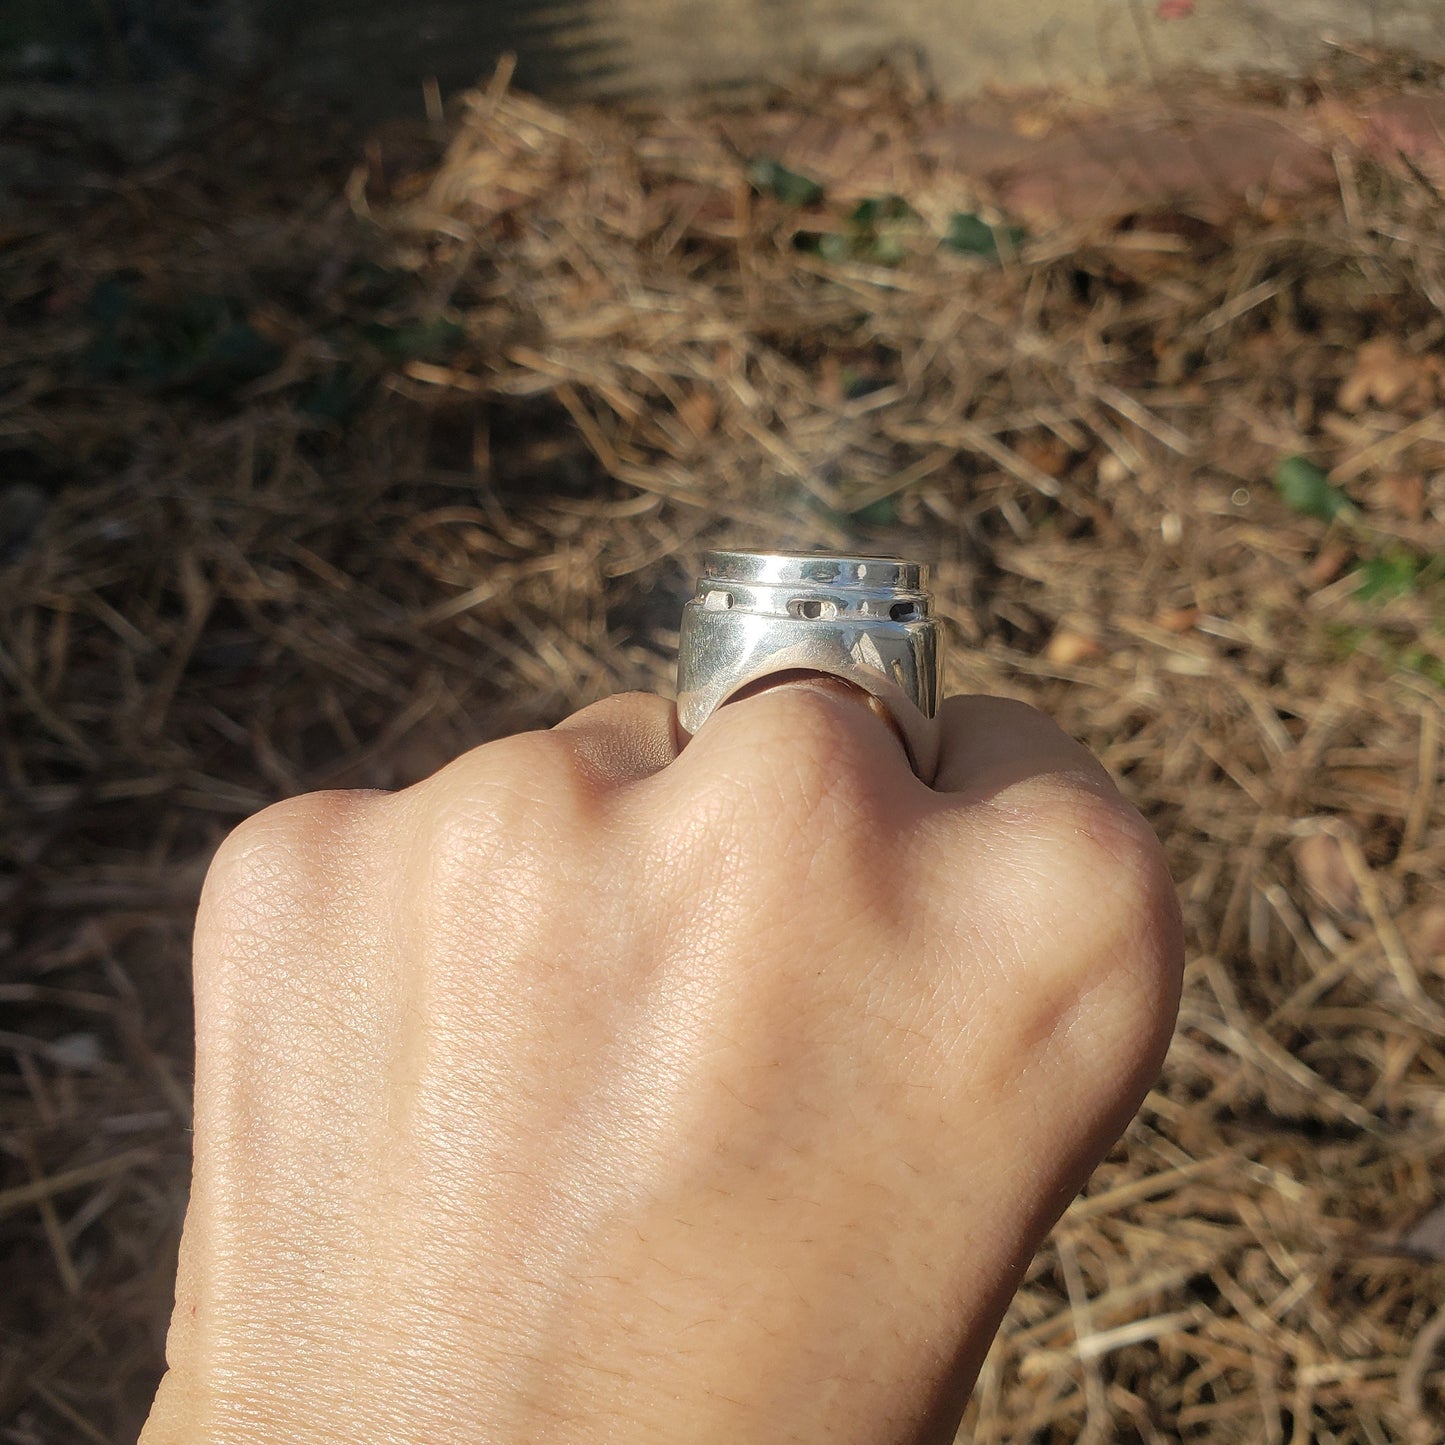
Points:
[(867, 620)]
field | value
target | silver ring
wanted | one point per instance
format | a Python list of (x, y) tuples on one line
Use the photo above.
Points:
[(867, 620)]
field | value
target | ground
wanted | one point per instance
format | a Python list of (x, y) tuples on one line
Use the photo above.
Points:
[(324, 459)]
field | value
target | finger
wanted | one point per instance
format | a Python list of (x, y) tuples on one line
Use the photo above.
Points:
[(623, 739), (805, 734), (1020, 802), (1067, 880), (827, 683), (989, 744)]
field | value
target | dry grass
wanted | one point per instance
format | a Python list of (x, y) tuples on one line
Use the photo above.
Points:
[(351, 473)]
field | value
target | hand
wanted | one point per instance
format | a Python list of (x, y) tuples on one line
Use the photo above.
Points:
[(587, 1091)]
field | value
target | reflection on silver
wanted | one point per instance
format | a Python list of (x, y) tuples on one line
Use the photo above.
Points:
[(867, 620)]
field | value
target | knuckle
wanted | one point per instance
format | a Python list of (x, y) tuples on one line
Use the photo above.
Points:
[(800, 747), (625, 707), (1077, 901), (286, 837), (786, 790), (534, 764), (1109, 871), (509, 797), (1099, 841), (1102, 831), (278, 880), (1131, 961)]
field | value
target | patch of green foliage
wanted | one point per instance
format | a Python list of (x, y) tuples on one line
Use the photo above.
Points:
[(414, 340), (1308, 490), (880, 230), (882, 513), (1397, 572), (876, 232), (1393, 652), (969, 234), (204, 345), (334, 395), (770, 178), (1387, 572), (200, 343)]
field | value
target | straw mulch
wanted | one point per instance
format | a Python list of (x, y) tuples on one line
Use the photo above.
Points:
[(334, 468)]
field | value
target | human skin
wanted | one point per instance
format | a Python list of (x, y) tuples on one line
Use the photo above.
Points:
[(593, 1090)]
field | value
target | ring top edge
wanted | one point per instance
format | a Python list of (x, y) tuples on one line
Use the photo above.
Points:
[(821, 569)]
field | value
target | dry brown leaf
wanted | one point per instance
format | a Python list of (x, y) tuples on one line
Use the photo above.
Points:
[(1067, 647), (1047, 453), (698, 411), (1387, 376), (1112, 470), (1177, 619), (1426, 933), (1407, 133), (1328, 564), (1319, 859), (1401, 494), (1426, 1237)]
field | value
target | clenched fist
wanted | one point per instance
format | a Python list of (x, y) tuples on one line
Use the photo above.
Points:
[(593, 1091)]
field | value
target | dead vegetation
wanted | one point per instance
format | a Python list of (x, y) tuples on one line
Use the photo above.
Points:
[(317, 475)]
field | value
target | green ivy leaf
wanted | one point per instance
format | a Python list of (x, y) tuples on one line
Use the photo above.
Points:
[(195, 343), (1307, 490), (1390, 575), (882, 513), (881, 210), (791, 188), (970, 235), (334, 395), (415, 340), (874, 232)]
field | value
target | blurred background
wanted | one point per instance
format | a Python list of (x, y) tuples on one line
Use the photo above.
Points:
[(373, 377)]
